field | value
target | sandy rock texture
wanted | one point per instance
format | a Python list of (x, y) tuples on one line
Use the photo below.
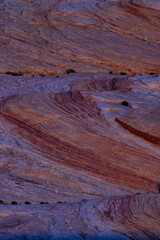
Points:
[(124, 218), (43, 36), (76, 134), (66, 139)]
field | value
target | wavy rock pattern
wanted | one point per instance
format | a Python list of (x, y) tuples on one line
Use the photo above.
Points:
[(88, 36), (127, 217), (82, 140), (79, 122), (138, 121)]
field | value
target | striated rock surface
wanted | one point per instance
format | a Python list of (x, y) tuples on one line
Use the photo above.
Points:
[(84, 142), (69, 138), (127, 217), (78, 136), (89, 36)]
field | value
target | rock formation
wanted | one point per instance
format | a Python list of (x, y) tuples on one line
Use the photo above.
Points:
[(72, 138), (125, 217), (43, 36), (72, 135)]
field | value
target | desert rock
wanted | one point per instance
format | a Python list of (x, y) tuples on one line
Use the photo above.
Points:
[(79, 119)]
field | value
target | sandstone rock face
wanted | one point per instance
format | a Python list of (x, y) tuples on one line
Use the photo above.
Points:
[(84, 142), (89, 36), (127, 217), (67, 138), (153, 4)]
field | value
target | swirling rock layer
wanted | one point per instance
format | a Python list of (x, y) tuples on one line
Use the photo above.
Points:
[(84, 142), (127, 217), (68, 138), (55, 132)]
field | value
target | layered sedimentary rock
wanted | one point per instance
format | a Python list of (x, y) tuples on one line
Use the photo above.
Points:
[(84, 142), (127, 217), (69, 138), (88, 36), (79, 136)]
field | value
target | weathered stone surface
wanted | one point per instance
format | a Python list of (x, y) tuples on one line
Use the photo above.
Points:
[(64, 139), (88, 139), (126, 217), (88, 36), (143, 124)]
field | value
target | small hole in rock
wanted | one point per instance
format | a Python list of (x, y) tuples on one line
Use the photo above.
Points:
[(123, 73), (1, 202), (41, 202), (14, 203), (125, 103), (152, 73), (42, 75), (14, 73), (27, 203), (110, 72), (68, 71)]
